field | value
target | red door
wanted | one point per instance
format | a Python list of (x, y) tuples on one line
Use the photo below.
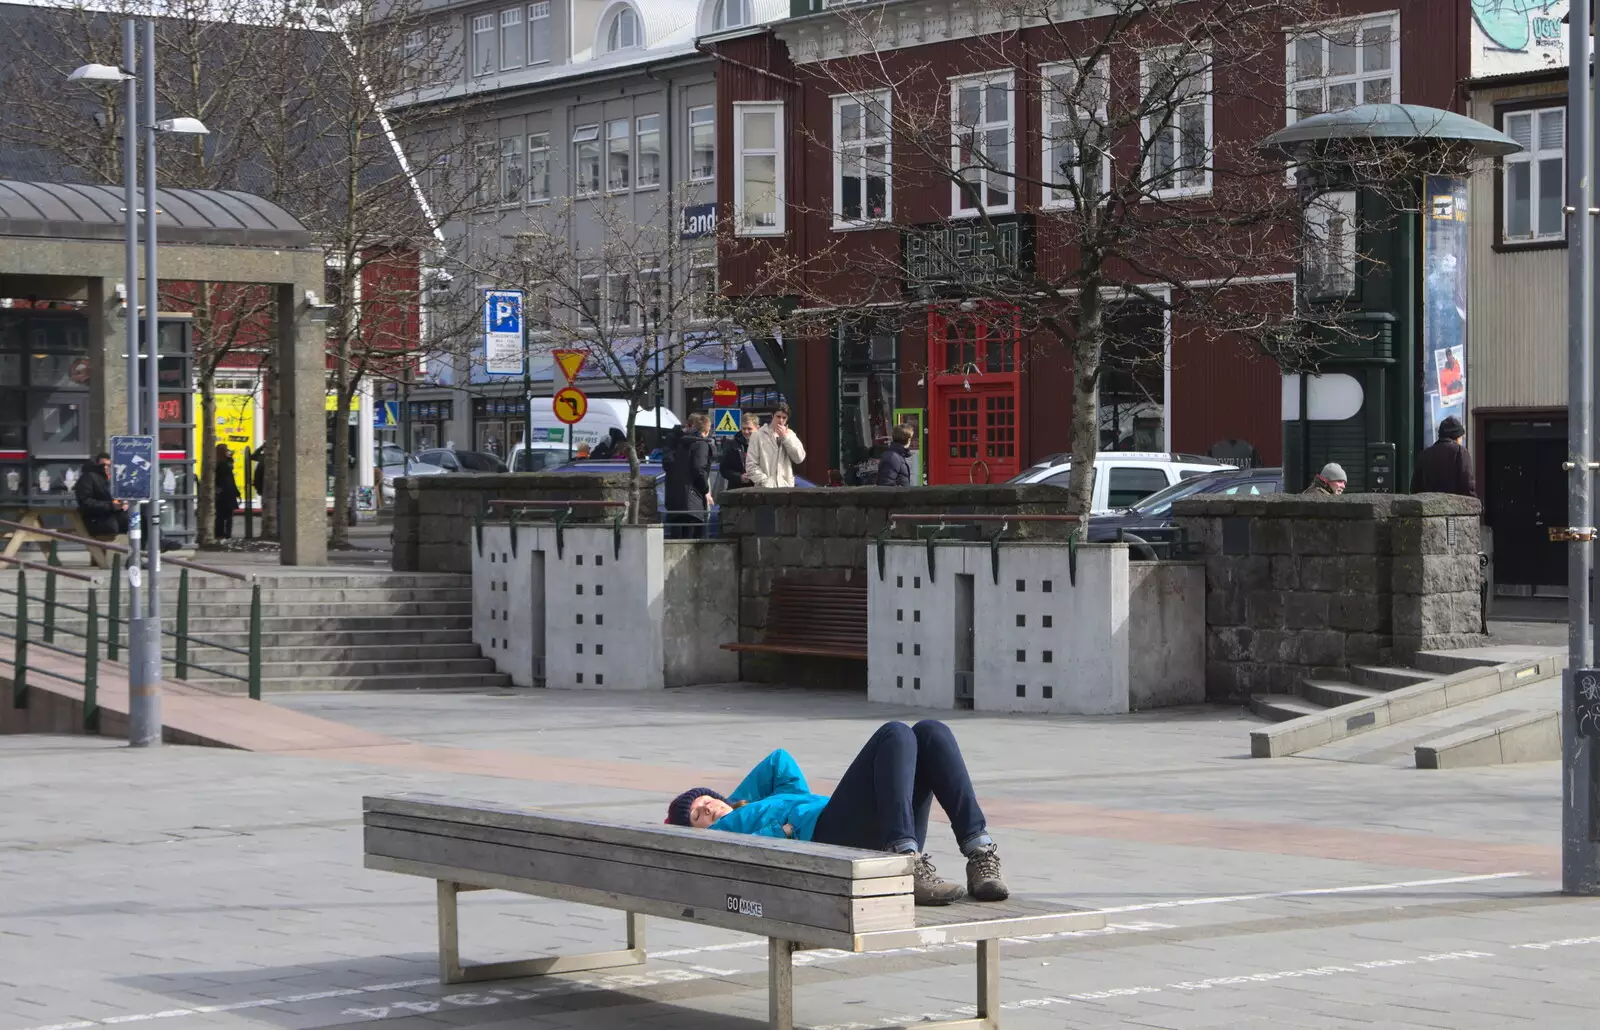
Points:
[(975, 416)]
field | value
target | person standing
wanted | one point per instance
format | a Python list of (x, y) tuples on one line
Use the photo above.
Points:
[(735, 451), (1446, 467), (224, 493), (1330, 481), (894, 467), (774, 451), (103, 516), (689, 481)]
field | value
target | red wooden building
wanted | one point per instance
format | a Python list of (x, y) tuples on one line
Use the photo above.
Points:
[(817, 182)]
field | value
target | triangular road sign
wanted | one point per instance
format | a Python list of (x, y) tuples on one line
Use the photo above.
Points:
[(571, 362), (727, 423)]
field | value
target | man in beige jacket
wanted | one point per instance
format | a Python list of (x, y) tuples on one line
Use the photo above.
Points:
[(774, 451)]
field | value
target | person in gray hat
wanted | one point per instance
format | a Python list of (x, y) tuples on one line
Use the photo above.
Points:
[(1446, 467), (1330, 481)]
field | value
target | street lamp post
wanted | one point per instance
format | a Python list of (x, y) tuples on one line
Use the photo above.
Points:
[(144, 623)]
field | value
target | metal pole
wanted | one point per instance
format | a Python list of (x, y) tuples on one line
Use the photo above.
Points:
[(1580, 872), (130, 201), (144, 707)]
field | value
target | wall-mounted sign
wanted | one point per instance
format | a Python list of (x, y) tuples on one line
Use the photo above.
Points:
[(699, 221), (944, 255)]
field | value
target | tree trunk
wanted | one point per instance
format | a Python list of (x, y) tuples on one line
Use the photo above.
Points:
[(206, 499), (1085, 404), (633, 460)]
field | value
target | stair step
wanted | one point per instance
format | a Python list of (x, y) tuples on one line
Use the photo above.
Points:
[(379, 668), (306, 684), (272, 640), (1333, 693), (1283, 707), (321, 651), (204, 627), (269, 609), (1386, 677)]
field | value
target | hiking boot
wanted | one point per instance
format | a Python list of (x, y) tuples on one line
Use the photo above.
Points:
[(929, 888), (983, 875)]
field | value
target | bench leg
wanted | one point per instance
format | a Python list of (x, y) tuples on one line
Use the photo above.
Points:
[(780, 984), (452, 971)]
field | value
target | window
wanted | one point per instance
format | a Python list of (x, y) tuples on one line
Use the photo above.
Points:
[(586, 158), (624, 31), (1077, 159), (758, 173), (730, 14), (484, 160), (860, 159), (702, 284), (539, 33), (648, 129), (1129, 486), (539, 167), (513, 41), (589, 297), (483, 44), (619, 295), (981, 145), (652, 298), (511, 170), (1334, 67), (412, 57), (1177, 131), (1329, 263), (702, 143), (1535, 179), (619, 174)]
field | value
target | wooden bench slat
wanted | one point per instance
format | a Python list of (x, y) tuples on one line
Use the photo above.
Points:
[(810, 619), (805, 856), (815, 652), (695, 864)]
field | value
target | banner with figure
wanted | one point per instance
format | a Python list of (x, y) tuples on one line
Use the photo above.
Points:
[(1444, 302)]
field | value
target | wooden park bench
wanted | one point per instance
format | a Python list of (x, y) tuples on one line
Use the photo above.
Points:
[(818, 620), (33, 518), (796, 894)]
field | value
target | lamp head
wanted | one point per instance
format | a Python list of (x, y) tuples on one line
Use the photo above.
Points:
[(183, 126), (98, 74)]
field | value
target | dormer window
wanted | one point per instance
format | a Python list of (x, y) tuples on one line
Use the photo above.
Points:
[(624, 31), (730, 14)]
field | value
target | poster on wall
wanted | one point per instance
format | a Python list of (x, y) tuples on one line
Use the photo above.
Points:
[(1510, 37), (1444, 301)]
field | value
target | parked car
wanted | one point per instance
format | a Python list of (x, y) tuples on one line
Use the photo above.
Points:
[(395, 463), (1122, 478), (453, 459), (1153, 515)]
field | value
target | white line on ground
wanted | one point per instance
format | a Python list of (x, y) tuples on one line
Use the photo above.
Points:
[(699, 972)]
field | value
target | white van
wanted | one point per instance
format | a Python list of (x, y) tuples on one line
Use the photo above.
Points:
[(604, 414)]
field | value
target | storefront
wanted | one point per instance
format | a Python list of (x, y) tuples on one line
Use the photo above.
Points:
[(498, 423), (430, 423), (866, 394)]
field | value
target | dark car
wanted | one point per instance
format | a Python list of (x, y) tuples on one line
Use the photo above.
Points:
[(1153, 515), (452, 460)]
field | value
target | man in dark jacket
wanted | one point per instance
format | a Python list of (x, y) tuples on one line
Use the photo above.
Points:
[(1446, 467), (894, 466), (103, 517), (734, 452), (689, 480)]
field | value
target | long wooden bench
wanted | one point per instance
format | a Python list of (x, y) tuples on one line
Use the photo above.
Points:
[(796, 894), (33, 518), (818, 620)]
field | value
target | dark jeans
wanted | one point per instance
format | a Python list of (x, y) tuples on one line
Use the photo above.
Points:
[(685, 525), (223, 523), (883, 799)]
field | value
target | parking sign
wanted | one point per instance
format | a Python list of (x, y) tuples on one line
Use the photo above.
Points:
[(502, 332)]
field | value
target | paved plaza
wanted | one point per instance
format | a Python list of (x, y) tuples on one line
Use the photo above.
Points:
[(191, 888)]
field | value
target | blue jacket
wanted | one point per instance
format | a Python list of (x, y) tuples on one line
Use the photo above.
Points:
[(776, 793)]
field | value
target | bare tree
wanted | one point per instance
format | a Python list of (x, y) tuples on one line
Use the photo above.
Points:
[(1151, 204)]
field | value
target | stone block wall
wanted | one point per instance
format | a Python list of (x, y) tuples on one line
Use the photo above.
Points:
[(1303, 586), (821, 535), (434, 515)]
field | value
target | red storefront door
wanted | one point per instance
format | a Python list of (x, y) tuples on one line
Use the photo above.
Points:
[(975, 417)]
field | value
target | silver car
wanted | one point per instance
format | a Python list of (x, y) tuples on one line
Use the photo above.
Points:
[(396, 463)]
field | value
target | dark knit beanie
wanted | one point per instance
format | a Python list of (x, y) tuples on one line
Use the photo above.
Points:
[(678, 810)]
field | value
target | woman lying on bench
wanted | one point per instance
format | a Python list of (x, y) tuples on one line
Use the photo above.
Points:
[(881, 804)]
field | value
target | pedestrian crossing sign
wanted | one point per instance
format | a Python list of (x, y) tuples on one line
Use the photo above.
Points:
[(725, 421)]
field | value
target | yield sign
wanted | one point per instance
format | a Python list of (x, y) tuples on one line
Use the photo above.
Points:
[(571, 362)]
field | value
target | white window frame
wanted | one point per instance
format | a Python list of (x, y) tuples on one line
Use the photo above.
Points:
[(614, 25), (643, 125), (511, 18), (720, 19), (513, 160), (1054, 198), (741, 109), (538, 143), (859, 147), (585, 135), (988, 80), (539, 14), (486, 170), (702, 274), (626, 153), (589, 278), (710, 124), (1532, 157), (1147, 68), (484, 25), (1323, 32)]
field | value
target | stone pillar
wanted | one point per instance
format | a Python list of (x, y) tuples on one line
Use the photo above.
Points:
[(302, 465), (108, 367)]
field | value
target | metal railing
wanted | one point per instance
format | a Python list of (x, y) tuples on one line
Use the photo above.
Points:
[(21, 638), (115, 621)]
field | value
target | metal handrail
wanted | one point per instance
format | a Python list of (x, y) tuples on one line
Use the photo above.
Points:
[(54, 570), (90, 653), (70, 538)]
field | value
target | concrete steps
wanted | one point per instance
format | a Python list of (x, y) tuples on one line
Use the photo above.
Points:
[(1360, 719), (304, 684)]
